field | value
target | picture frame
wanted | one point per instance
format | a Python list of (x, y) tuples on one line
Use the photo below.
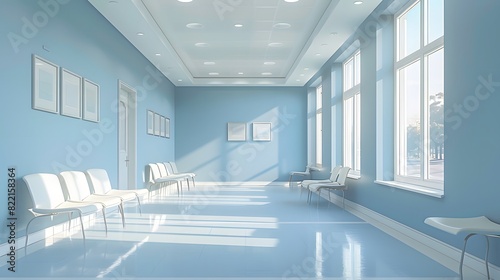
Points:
[(91, 101), (45, 85), (162, 126), (150, 122), (71, 94), (167, 128), (236, 131), (157, 125), (261, 131)]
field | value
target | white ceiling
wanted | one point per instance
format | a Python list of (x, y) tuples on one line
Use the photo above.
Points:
[(197, 43)]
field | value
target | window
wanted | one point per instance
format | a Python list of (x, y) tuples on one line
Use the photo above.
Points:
[(419, 76), (319, 125), (352, 114)]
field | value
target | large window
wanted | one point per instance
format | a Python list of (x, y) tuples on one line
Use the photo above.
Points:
[(319, 125), (352, 114), (419, 69)]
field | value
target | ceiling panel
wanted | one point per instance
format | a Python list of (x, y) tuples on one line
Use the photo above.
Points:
[(197, 43)]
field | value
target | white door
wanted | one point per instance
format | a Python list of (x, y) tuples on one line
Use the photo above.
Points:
[(126, 138)]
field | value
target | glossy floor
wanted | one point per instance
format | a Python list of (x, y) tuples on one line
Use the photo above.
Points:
[(232, 232)]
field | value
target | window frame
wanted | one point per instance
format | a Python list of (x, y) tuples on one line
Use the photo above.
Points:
[(319, 125), (420, 56), (352, 91)]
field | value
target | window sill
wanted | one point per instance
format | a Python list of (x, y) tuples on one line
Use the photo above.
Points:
[(412, 188)]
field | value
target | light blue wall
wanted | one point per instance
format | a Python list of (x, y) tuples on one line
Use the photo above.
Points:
[(472, 87), (202, 114), (79, 39)]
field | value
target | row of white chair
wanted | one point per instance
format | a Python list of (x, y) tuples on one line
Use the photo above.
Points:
[(70, 193), (162, 174), (337, 181)]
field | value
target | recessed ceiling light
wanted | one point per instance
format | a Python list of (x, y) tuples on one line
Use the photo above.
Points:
[(238, 25), (140, 34), (158, 54), (282, 25), (275, 45), (302, 75), (201, 45), (194, 25), (291, 1), (334, 33), (240, 73), (185, 1), (306, 69), (179, 80), (213, 74), (209, 63), (318, 54), (269, 63), (358, 2), (267, 74)]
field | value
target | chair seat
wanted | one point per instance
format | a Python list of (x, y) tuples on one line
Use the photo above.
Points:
[(478, 225), (70, 206), (301, 173), (331, 185)]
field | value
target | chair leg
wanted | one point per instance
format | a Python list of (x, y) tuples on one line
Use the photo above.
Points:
[(462, 256), (486, 257), (120, 208), (105, 221), (139, 203), (290, 181)]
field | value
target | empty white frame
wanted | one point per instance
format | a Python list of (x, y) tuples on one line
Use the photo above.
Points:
[(150, 122), (157, 125), (167, 127), (45, 83), (71, 94), (91, 101), (261, 131), (236, 131), (162, 126)]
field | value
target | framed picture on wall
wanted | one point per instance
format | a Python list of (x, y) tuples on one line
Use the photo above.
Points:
[(261, 131), (71, 94), (236, 131), (162, 126), (150, 122), (91, 101), (45, 85), (167, 127), (157, 125)]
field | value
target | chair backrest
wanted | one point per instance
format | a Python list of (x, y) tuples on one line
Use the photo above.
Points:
[(170, 169), (154, 172), (45, 190), (163, 169), (99, 180), (334, 174), (174, 167), (344, 171), (76, 184)]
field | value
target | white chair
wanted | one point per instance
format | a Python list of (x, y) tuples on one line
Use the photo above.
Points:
[(306, 173), (470, 226), (48, 200), (155, 178), (78, 189), (339, 185), (166, 173), (102, 185), (175, 171), (333, 178)]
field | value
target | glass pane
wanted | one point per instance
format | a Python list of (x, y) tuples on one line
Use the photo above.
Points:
[(348, 132), (357, 101), (435, 19), (348, 74), (357, 69), (409, 32), (410, 140), (435, 95)]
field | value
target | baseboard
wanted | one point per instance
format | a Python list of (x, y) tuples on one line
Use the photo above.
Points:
[(247, 184), (443, 253)]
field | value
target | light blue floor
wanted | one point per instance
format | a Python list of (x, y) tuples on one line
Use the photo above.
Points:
[(231, 232)]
